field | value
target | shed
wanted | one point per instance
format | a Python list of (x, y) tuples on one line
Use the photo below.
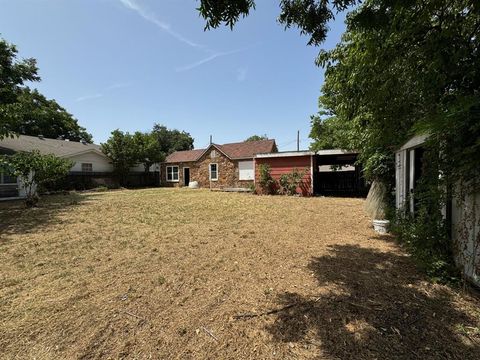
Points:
[(462, 215), (284, 163)]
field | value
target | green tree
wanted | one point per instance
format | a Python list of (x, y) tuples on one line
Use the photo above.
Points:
[(25, 111), (172, 140), (121, 150), (257, 138), (329, 133), (13, 76), (34, 170), (147, 149), (40, 116), (408, 67)]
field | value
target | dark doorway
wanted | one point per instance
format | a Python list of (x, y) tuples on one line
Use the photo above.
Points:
[(338, 175), (186, 176)]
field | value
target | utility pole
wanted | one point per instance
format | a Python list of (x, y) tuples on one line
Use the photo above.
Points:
[(298, 140)]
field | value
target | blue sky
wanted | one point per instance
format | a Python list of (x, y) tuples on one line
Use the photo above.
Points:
[(128, 64)]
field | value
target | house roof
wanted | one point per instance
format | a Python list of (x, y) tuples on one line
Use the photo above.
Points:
[(184, 156), (240, 150), (59, 148)]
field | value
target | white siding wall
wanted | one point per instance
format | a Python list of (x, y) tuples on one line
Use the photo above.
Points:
[(466, 235), (99, 163)]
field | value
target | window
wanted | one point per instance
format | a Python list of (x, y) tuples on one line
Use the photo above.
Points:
[(87, 167), (213, 154), (213, 172), (245, 170), (7, 179), (172, 173)]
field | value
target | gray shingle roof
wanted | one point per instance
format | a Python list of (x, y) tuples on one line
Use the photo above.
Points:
[(46, 146)]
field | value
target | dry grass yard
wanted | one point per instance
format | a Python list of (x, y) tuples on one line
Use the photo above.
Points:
[(185, 274)]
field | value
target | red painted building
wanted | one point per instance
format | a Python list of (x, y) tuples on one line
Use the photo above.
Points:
[(327, 172), (285, 163)]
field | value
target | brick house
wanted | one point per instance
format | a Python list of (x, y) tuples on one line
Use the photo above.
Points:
[(218, 166)]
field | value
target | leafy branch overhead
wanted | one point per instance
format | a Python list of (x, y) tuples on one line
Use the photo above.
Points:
[(310, 16)]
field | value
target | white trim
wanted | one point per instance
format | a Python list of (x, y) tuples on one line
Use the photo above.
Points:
[(69, 155), (336, 152), (414, 142), (186, 167), (285, 154), (210, 171), (166, 173), (306, 153)]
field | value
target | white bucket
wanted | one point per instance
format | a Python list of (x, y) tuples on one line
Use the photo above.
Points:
[(193, 184), (381, 226)]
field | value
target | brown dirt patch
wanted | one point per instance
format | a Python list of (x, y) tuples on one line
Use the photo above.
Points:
[(162, 273)]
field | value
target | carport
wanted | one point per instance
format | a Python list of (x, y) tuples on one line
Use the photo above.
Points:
[(335, 173)]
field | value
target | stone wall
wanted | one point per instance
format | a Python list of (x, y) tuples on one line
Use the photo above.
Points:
[(228, 172)]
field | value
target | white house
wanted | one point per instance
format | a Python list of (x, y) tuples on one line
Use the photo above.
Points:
[(87, 158), (464, 213)]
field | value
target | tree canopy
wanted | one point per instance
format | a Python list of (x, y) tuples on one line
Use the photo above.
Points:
[(405, 67), (25, 111), (310, 16), (148, 150), (171, 140), (257, 138), (121, 150)]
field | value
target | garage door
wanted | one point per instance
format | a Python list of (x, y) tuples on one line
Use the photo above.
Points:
[(246, 170)]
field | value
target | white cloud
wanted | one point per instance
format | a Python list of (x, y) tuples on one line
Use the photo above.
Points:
[(208, 59), (149, 16), (109, 88), (88, 97)]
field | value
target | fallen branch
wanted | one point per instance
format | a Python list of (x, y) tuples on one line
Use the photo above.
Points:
[(209, 333), (270, 312), (136, 316)]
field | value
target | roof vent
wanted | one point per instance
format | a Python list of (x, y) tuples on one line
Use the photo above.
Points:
[(41, 137), (83, 141), (67, 139)]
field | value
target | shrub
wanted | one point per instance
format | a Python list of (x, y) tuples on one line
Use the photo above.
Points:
[(268, 185), (34, 170), (289, 183)]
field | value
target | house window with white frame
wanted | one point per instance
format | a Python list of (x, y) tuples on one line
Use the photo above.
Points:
[(87, 167), (172, 173), (213, 172)]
